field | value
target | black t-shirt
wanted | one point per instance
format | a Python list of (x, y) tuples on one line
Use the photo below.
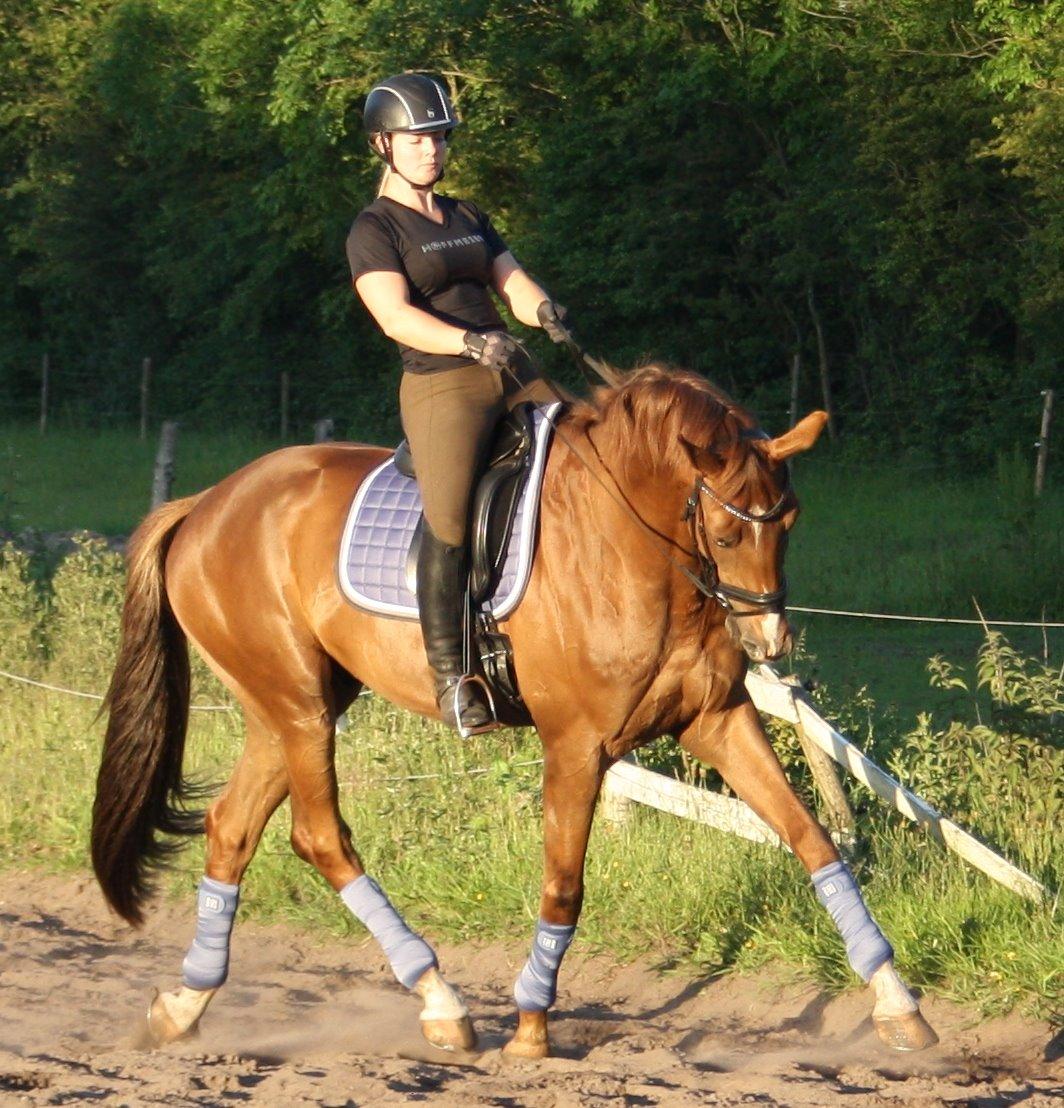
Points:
[(447, 265)]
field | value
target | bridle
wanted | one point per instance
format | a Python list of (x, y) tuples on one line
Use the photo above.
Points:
[(708, 578)]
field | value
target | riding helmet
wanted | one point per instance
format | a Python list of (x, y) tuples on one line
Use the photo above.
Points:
[(408, 102)]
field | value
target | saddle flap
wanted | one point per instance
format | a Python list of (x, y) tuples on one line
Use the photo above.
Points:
[(403, 460), (496, 498)]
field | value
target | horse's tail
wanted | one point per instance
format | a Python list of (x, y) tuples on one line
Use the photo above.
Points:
[(140, 790)]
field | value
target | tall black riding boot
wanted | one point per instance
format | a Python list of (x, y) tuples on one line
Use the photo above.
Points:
[(441, 588)]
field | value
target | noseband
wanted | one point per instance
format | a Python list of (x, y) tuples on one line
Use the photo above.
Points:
[(708, 576)]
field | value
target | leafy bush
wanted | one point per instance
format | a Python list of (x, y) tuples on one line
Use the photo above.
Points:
[(21, 612), (1002, 777)]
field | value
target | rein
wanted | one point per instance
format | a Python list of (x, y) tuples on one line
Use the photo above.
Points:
[(707, 580)]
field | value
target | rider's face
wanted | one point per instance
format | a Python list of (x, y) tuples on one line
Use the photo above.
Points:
[(419, 157)]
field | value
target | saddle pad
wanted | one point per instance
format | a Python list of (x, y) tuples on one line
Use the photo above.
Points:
[(381, 524)]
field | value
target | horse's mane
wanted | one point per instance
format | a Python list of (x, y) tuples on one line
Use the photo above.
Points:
[(645, 419)]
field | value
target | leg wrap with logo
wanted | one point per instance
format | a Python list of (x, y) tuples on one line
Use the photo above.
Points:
[(537, 984), (866, 948), (408, 954), (206, 965)]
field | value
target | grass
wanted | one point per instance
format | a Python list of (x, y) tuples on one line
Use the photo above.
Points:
[(100, 480), (461, 856), (460, 853)]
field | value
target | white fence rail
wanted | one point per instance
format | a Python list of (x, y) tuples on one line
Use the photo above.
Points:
[(627, 782)]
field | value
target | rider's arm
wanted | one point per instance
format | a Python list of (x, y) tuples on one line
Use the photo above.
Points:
[(522, 295), (387, 297)]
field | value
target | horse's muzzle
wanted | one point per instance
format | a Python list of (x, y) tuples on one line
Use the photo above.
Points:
[(764, 638)]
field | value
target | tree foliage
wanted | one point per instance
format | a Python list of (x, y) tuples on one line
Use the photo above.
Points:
[(872, 187)]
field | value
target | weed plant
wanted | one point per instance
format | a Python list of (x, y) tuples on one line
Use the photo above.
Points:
[(452, 828)]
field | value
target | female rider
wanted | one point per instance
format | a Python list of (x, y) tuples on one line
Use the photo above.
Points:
[(423, 265)]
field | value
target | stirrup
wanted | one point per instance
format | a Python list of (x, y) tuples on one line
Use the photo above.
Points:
[(457, 686)]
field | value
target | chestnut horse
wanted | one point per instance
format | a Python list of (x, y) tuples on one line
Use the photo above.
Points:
[(663, 523)]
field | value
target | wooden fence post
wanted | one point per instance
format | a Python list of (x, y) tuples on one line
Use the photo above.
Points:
[(285, 382), (145, 384), (163, 479), (838, 815), (324, 429), (1043, 442), (617, 809), (44, 391)]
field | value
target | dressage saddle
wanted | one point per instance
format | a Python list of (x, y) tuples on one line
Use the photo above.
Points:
[(494, 502)]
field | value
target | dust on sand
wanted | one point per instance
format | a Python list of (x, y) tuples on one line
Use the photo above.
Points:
[(305, 1022)]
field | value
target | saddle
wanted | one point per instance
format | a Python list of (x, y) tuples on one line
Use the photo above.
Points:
[(495, 502)]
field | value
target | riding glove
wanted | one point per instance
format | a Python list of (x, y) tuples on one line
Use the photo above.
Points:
[(495, 349), (552, 318)]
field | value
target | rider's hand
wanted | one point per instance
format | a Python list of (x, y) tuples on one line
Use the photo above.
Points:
[(495, 349), (551, 318)]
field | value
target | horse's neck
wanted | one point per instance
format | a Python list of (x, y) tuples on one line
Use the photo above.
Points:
[(625, 533)]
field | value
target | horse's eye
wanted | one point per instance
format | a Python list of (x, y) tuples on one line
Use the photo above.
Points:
[(725, 542)]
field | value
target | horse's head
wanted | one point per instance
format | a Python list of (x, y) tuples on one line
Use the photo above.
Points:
[(734, 504), (669, 424), (739, 512)]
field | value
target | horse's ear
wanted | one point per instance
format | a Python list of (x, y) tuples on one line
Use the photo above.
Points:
[(800, 437)]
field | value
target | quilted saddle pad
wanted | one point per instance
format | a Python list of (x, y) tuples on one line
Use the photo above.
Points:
[(381, 524)]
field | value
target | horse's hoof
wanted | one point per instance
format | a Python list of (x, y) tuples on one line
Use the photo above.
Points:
[(908, 1032), (450, 1034), (160, 1028), (530, 1039), (527, 1048)]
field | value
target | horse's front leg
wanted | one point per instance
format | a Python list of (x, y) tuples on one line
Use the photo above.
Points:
[(571, 782), (734, 742)]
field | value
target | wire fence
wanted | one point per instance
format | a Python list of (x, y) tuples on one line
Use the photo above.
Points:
[(95, 394), (1041, 624), (925, 619), (476, 771)]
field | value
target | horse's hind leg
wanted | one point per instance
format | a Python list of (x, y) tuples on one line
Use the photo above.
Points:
[(320, 837), (734, 743), (235, 823)]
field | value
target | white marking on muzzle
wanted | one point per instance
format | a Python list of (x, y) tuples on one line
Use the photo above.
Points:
[(772, 630)]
